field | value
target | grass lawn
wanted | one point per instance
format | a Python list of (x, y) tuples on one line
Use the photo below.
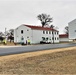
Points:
[(49, 62)]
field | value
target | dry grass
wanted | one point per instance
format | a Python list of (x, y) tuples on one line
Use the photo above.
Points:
[(8, 44), (49, 62)]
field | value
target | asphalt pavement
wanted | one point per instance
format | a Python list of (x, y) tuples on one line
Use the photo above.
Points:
[(30, 48)]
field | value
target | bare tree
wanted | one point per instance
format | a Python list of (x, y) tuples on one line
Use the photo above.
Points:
[(52, 26), (1, 37), (1, 34), (11, 34), (11, 31), (67, 30), (45, 19)]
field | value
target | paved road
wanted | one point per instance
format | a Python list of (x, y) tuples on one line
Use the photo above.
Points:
[(28, 48)]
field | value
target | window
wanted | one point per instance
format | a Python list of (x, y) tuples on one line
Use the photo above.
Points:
[(55, 38), (52, 38), (49, 32), (43, 32), (46, 32), (21, 31), (22, 38), (75, 30), (27, 30), (43, 38), (57, 32), (46, 38), (27, 36), (52, 32)]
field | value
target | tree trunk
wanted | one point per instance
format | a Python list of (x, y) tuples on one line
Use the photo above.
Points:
[(43, 24)]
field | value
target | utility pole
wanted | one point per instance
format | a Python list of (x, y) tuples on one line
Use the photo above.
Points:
[(5, 32)]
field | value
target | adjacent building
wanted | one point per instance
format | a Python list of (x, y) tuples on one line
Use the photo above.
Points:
[(63, 38), (35, 34), (72, 29)]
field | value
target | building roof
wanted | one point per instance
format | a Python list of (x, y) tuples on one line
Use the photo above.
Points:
[(63, 36), (40, 28)]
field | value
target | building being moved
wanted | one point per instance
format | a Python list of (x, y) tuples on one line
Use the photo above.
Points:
[(72, 30), (35, 34)]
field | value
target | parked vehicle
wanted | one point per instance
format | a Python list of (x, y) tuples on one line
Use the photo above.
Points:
[(45, 42)]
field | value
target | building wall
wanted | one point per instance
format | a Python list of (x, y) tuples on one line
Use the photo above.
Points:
[(72, 29), (56, 37), (38, 34), (64, 39), (27, 34)]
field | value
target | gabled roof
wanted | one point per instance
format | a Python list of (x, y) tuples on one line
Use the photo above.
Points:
[(63, 36), (40, 28)]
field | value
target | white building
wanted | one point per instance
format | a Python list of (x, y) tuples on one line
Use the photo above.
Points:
[(72, 30), (63, 38), (35, 34)]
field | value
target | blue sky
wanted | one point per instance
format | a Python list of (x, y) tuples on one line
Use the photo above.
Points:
[(16, 12)]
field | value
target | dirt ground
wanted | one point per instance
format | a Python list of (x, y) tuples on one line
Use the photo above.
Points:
[(49, 62)]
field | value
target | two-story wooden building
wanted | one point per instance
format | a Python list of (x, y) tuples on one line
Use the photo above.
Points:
[(35, 34)]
